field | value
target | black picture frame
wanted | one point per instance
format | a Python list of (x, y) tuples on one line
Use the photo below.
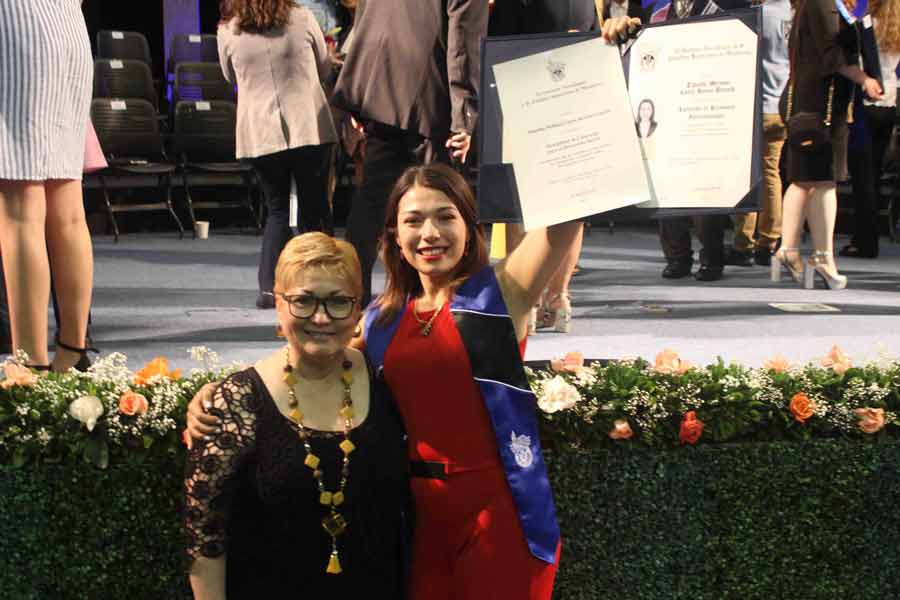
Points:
[(497, 193)]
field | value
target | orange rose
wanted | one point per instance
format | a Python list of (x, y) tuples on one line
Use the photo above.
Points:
[(691, 428), (837, 361), (621, 430), (157, 366), (802, 407), (17, 374), (871, 420), (573, 362), (668, 362), (777, 363), (132, 404)]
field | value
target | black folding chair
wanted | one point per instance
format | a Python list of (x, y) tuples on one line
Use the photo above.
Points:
[(129, 134), (193, 47), (205, 141), (123, 78), (201, 81), (130, 45)]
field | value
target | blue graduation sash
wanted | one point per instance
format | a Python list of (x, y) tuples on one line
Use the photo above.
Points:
[(489, 337)]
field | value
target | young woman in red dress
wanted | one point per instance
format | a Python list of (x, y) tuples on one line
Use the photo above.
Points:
[(449, 331)]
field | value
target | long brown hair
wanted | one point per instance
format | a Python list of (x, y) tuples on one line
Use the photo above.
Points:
[(402, 279), (259, 16), (887, 24)]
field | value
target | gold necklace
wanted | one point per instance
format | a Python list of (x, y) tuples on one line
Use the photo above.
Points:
[(427, 325), (334, 522)]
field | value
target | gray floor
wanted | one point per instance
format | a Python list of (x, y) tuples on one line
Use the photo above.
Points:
[(158, 295)]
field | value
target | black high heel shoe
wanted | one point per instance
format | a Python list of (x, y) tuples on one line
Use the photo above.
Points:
[(84, 362)]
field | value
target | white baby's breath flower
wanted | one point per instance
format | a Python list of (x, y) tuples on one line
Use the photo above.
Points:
[(43, 436)]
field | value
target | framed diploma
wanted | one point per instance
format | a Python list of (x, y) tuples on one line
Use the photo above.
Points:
[(689, 145), (569, 133), (693, 88)]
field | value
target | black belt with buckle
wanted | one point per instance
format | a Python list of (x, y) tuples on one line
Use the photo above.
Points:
[(428, 469)]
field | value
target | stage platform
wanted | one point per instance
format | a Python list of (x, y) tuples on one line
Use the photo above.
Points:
[(158, 295)]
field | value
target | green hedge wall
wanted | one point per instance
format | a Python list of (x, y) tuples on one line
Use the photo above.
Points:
[(79, 533), (817, 520)]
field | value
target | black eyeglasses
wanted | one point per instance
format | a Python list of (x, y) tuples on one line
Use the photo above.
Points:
[(304, 306)]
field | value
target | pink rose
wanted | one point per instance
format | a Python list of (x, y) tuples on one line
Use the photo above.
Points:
[(871, 420), (132, 404), (17, 374), (573, 362), (777, 363), (621, 430), (837, 361), (669, 363)]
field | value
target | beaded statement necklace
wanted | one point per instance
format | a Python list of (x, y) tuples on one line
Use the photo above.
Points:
[(334, 522), (427, 325)]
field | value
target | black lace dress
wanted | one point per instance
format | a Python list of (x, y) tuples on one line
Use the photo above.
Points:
[(249, 496)]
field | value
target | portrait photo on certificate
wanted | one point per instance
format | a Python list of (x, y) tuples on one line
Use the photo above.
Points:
[(569, 133)]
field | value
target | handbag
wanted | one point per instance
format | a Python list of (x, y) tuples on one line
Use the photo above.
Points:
[(809, 131), (94, 160)]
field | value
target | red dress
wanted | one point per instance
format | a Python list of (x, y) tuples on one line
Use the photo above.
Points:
[(468, 543)]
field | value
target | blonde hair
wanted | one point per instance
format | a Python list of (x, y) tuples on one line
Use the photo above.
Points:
[(887, 24), (316, 250)]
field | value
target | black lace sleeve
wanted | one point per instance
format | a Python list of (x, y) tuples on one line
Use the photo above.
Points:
[(212, 465)]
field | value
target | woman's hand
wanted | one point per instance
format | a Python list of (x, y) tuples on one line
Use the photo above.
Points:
[(459, 144), (616, 30), (872, 89), (200, 424)]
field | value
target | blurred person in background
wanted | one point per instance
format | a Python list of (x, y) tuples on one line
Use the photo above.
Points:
[(756, 235), (824, 68), (411, 80), (275, 51), (45, 91), (877, 116)]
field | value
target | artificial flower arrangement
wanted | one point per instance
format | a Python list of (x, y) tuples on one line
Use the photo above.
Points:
[(108, 412), (671, 403)]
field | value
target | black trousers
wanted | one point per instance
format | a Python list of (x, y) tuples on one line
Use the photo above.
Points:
[(389, 152), (865, 164), (675, 238), (308, 166)]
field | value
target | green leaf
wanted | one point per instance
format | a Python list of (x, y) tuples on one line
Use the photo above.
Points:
[(19, 457), (148, 441), (97, 452)]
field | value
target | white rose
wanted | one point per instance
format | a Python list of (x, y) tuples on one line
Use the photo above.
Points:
[(86, 409), (558, 394)]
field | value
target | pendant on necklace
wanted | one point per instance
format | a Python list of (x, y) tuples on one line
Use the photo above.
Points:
[(426, 329)]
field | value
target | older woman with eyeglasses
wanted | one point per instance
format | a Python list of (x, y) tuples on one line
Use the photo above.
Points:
[(301, 491)]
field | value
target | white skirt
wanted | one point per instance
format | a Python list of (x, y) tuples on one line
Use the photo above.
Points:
[(46, 73)]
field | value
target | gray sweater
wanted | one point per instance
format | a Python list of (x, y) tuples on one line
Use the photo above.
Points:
[(776, 27)]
